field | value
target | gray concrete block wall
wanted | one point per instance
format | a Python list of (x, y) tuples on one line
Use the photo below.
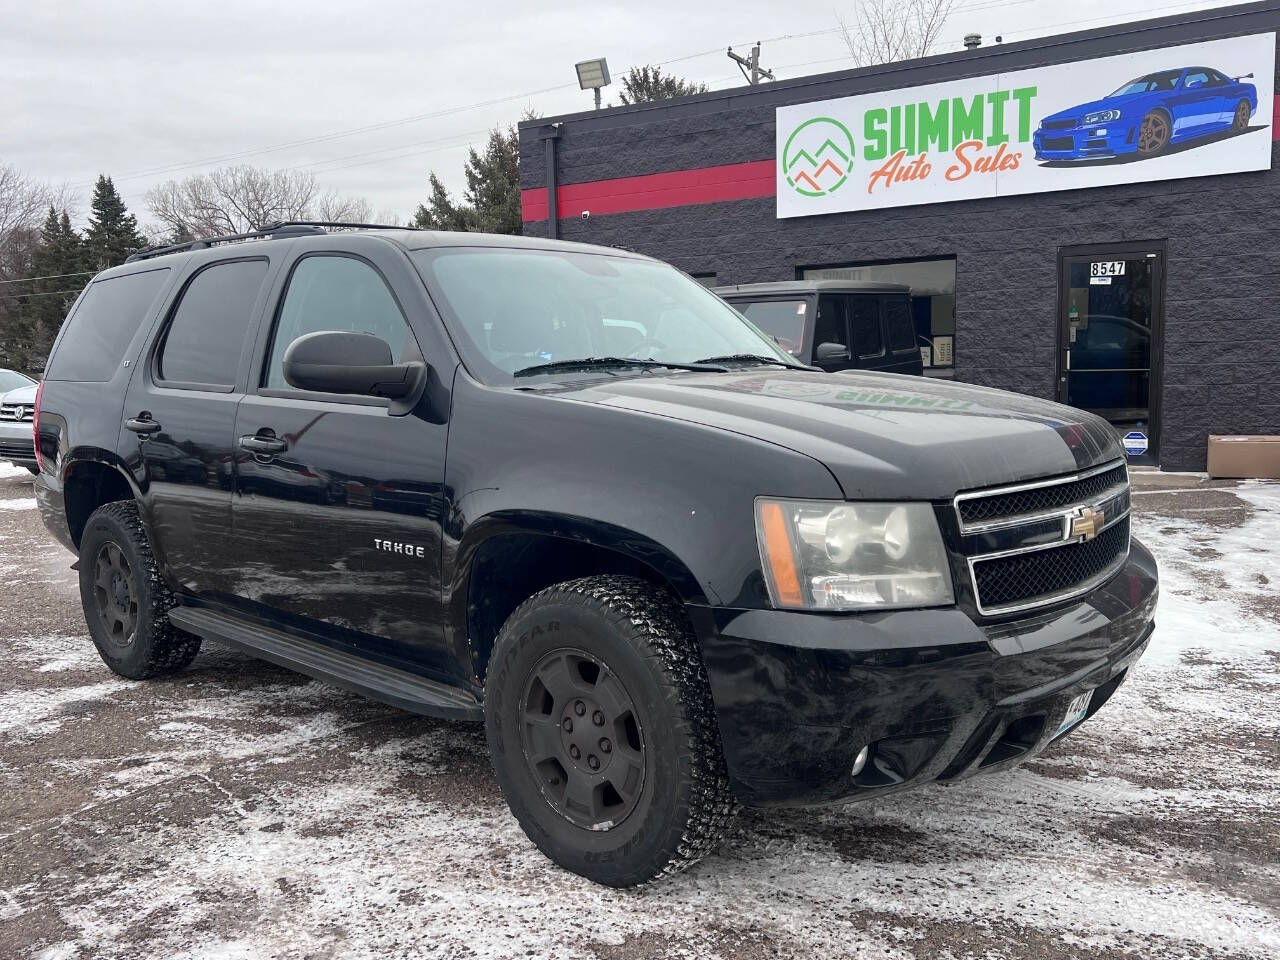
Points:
[(1221, 370)]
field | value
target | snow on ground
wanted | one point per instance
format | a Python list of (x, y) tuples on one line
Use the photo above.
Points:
[(25, 503), (239, 811)]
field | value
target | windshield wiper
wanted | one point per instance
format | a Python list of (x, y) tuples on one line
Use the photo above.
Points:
[(754, 358), (586, 363)]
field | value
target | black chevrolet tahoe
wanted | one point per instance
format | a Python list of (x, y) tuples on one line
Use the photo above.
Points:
[(567, 492)]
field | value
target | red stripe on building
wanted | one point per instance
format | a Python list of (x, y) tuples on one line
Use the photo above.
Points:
[(679, 188), (1275, 131)]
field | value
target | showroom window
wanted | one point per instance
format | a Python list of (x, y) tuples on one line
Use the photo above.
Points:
[(933, 302)]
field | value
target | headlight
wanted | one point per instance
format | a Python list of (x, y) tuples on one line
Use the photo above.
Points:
[(1102, 116), (819, 555)]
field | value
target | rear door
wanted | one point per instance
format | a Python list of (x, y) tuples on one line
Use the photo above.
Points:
[(1198, 103), (179, 419), (339, 502)]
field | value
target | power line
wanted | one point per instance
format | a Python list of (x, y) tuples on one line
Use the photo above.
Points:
[(23, 296), (51, 276), (323, 165)]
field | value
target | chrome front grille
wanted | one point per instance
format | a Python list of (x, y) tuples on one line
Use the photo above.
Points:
[(17, 411), (1032, 544)]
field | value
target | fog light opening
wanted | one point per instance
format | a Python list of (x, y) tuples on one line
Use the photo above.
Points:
[(860, 761)]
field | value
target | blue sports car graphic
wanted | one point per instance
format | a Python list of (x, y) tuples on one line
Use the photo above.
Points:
[(1145, 116)]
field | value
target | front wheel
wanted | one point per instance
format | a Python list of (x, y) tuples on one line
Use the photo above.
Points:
[(1153, 135), (602, 732), (126, 603)]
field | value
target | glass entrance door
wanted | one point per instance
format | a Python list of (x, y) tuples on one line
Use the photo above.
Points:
[(1109, 341)]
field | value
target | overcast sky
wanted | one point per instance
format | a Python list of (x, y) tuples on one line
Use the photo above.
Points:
[(150, 91)]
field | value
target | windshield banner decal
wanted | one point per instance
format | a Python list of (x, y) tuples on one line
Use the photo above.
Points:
[(1186, 111)]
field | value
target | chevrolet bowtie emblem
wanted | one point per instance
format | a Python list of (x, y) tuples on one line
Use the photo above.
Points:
[(1087, 523)]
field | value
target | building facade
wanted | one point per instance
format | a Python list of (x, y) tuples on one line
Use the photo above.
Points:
[(1109, 243)]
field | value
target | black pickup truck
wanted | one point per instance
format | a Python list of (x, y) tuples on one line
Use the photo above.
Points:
[(566, 491)]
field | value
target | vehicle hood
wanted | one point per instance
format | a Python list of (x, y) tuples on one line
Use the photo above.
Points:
[(882, 436), (23, 395), (1130, 100)]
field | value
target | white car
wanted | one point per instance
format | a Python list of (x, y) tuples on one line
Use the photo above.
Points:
[(17, 410)]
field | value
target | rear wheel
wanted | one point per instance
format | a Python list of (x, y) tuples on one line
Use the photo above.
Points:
[(126, 603), (1241, 119), (602, 733), (1153, 135)]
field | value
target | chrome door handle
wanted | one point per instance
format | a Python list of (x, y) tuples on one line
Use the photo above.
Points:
[(142, 424), (258, 444)]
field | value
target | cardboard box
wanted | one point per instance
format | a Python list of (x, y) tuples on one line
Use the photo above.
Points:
[(1245, 457)]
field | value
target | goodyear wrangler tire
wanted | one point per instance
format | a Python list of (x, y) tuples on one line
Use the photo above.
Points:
[(602, 734), (126, 603)]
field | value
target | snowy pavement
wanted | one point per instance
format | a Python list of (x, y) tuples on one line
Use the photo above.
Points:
[(240, 811)]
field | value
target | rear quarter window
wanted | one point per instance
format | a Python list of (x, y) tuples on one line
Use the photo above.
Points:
[(98, 332)]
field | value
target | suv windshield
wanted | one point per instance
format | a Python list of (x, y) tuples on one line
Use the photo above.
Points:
[(512, 309), (781, 319)]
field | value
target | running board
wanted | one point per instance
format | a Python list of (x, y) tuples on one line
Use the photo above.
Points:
[(402, 689)]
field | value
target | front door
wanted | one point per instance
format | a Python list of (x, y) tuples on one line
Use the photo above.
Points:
[(1109, 338), (339, 501)]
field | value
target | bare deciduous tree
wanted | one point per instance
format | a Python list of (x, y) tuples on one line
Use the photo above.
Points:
[(23, 204), (884, 31), (244, 198), (339, 209)]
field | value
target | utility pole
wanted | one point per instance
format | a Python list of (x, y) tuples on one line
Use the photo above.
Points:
[(750, 66)]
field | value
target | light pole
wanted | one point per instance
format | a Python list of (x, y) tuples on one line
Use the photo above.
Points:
[(592, 75)]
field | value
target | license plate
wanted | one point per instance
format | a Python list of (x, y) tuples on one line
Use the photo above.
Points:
[(1075, 712)]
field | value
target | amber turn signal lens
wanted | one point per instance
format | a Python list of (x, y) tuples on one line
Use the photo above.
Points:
[(779, 555)]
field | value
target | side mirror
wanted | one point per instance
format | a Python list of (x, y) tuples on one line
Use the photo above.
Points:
[(830, 353), (1192, 84), (333, 361)]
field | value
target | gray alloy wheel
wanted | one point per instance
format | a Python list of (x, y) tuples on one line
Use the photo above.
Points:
[(1241, 119), (1153, 135)]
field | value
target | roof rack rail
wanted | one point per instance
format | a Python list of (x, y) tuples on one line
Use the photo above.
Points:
[(271, 231)]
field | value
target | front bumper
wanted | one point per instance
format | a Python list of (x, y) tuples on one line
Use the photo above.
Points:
[(16, 442), (1082, 143), (936, 694)]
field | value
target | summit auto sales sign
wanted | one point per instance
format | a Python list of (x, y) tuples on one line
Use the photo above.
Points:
[(1188, 111)]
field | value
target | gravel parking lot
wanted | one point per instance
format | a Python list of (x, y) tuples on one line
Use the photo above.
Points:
[(240, 811)]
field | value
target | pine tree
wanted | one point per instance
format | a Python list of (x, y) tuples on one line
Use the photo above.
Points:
[(646, 83), (113, 231), (59, 257), (492, 198), (440, 212)]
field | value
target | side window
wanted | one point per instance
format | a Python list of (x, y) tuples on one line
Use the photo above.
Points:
[(1196, 78), (333, 292), (899, 327), (831, 324), (207, 333), (100, 328), (864, 319)]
